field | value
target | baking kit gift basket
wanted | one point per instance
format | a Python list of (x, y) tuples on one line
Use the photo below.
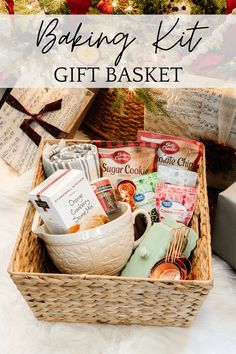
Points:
[(99, 255)]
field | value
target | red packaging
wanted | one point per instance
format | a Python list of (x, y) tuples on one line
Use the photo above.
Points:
[(174, 151), (176, 202), (105, 194), (125, 160)]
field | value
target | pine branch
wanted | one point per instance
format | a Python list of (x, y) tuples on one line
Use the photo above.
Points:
[(154, 107), (54, 6), (118, 103)]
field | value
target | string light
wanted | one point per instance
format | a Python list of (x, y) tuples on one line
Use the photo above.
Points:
[(129, 9), (125, 6), (29, 7)]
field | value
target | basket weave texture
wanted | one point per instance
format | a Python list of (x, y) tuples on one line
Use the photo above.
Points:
[(110, 125), (111, 299)]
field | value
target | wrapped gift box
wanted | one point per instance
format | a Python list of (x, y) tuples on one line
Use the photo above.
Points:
[(207, 114), (19, 149), (224, 234), (202, 114)]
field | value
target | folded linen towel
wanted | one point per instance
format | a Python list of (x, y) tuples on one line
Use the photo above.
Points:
[(81, 156)]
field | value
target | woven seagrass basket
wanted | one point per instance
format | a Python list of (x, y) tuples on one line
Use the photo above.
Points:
[(111, 299), (106, 124)]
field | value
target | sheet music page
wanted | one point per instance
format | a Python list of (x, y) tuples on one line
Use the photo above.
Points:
[(192, 113), (16, 148)]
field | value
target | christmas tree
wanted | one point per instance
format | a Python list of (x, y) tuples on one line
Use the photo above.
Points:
[(116, 6)]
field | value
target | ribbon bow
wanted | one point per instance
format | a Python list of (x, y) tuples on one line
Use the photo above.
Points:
[(35, 117)]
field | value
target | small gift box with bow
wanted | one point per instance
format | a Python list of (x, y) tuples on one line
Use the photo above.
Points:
[(28, 115)]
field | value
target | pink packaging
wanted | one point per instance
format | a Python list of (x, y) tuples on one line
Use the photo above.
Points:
[(175, 202)]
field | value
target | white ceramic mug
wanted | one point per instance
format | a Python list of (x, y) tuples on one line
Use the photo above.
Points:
[(102, 250)]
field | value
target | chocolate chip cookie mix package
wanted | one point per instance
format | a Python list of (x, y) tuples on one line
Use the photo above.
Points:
[(125, 160), (174, 151)]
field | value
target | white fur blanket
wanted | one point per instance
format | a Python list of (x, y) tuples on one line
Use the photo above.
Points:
[(214, 330)]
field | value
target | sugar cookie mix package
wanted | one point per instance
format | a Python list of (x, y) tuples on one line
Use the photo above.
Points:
[(67, 203), (176, 202), (145, 196), (122, 160), (174, 151), (176, 176)]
